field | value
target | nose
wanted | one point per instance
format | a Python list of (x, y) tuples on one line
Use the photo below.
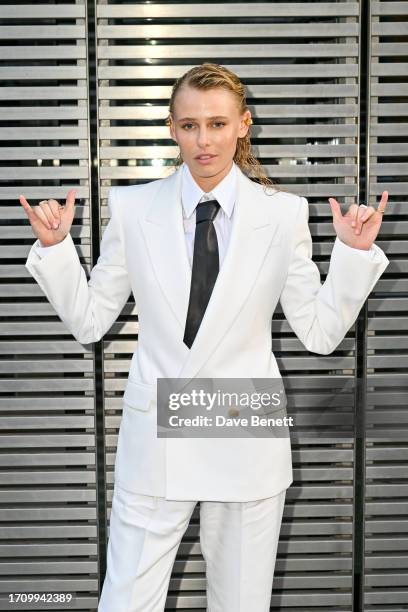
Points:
[(203, 137)]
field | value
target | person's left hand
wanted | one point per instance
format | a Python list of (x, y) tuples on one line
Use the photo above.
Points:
[(359, 226)]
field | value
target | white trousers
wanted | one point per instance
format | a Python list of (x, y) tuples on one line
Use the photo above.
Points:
[(238, 540)]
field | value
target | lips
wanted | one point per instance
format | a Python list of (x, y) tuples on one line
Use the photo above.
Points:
[(204, 156)]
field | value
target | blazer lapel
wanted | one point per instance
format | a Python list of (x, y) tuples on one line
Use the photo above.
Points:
[(164, 232), (250, 238)]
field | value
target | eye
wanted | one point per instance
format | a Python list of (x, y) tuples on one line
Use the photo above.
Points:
[(186, 126)]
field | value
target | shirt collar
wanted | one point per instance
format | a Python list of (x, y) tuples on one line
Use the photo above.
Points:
[(224, 192)]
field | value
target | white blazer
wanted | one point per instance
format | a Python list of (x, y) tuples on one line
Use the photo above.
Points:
[(269, 258)]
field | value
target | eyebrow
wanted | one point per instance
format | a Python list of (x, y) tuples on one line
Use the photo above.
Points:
[(193, 118)]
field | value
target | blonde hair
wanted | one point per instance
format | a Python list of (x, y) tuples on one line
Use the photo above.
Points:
[(211, 76)]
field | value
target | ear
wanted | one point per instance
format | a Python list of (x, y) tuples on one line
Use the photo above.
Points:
[(246, 121), (171, 128)]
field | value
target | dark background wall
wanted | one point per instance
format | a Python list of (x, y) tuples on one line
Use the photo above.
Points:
[(83, 98)]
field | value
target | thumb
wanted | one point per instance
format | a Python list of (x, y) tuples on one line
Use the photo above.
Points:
[(335, 208)]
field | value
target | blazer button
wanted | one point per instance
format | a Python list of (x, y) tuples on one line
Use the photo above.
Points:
[(233, 412)]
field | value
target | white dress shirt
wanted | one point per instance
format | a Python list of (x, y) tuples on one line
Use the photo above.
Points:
[(225, 193)]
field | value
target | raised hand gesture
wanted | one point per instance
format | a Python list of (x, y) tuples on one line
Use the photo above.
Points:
[(50, 221), (360, 225)]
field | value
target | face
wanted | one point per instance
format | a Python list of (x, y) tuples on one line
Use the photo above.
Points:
[(207, 122)]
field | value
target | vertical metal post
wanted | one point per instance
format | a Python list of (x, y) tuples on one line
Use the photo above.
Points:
[(96, 234), (360, 396)]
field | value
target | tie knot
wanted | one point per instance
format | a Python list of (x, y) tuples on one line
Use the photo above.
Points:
[(207, 210)]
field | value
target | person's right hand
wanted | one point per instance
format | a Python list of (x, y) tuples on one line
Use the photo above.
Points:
[(50, 221)]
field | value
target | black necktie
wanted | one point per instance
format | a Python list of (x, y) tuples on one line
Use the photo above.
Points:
[(205, 267)]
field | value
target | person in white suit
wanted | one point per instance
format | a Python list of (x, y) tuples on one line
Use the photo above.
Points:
[(264, 251)]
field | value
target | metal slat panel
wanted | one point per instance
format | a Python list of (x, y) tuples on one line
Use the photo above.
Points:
[(386, 575), (198, 50), (49, 510), (309, 91), (181, 31), (236, 9), (256, 91)]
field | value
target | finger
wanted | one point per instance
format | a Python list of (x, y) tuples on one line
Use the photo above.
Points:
[(383, 201), (40, 214), (368, 212), (55, 209), (358, 224), (35, 219), (26, 207), (353, 213), (335, 208), (70, 201), (47, 212)]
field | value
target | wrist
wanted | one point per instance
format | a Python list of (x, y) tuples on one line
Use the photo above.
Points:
[(44, 246), (360, 248)]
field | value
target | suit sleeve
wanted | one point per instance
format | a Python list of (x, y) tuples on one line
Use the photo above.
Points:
[(43, 251), (319, 313), (88, 308)]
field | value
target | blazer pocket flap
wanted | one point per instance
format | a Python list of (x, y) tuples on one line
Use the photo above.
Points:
[(139, 395)]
